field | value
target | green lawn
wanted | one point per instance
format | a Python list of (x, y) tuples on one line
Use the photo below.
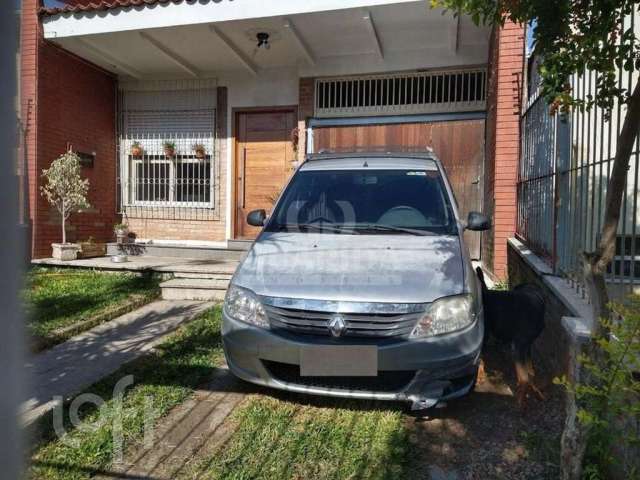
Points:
[(286, 440), (63, 302), (274, 438), (168, 376)]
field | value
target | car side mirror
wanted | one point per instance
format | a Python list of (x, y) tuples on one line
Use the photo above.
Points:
[(256, 218), (478, 222)]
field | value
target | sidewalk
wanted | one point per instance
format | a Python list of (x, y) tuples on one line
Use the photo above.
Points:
[(68, 368)]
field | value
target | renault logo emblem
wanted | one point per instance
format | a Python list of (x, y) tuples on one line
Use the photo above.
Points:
[(337, 325)]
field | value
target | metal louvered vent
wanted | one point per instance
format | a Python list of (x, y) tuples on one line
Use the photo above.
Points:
[(397, 94)]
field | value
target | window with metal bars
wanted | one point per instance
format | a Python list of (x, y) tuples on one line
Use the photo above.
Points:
[(410, 93), (152, 175)]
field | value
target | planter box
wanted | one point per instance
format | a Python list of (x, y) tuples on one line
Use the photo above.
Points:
[(92, 250), (65, 251)]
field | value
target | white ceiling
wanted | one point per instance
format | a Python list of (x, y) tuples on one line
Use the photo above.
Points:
[(412, 36)]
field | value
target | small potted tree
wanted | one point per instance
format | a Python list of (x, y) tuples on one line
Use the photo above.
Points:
[(65, 189), (200, 151), (136, 150), (169, 149)]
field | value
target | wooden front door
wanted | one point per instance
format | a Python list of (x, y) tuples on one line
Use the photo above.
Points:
[(264, 156), (458, 144)]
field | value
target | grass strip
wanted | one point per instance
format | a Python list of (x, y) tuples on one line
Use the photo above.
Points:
[(282, 439), (63, 303)]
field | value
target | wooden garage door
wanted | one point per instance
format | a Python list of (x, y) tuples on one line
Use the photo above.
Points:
[(458, 144), (264, 156)]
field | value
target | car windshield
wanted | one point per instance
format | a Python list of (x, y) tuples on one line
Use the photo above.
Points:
[(380, 202)]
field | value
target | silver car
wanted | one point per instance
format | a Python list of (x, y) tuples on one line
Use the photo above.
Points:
[(359, 285)]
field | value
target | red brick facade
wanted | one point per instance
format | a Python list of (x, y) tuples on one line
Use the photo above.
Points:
[(502, 142), (66, 101)]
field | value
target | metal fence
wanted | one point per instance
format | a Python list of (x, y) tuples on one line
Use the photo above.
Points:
[(564, 171)]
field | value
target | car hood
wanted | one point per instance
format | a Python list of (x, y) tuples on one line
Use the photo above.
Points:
[(356, 268)]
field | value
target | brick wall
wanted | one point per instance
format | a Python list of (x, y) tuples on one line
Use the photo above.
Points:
[(503, 142), (171, 229), (28, 85), (66, 101), (490, 146)]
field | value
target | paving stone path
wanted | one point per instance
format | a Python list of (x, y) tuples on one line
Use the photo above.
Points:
[(191, 432)]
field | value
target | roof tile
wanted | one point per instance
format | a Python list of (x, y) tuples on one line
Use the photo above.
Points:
[(102, 5)]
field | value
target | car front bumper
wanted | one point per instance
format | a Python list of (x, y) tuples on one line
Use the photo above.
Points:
[(436, 369)]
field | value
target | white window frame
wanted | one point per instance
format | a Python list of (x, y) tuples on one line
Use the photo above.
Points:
[(130, 173)]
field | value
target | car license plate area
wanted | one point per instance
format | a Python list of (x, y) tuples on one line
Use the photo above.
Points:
[(339, 361)]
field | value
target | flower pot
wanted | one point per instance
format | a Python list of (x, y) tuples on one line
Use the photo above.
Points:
[(136, 152), (65, 251), (200, 154), (92, 250), (169, 152), (122, 235)]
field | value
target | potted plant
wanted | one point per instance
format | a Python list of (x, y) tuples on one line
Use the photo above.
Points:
[(136, 150), (169, 149), (200, 150), (122, 232), (65, 190)]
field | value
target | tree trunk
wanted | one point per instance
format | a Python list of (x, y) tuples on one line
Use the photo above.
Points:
[(575, 435), (64, 224)]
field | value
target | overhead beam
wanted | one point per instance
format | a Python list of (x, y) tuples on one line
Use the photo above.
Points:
[(373, 32), (454, 35), (299, 41), (170, 55), (240, 56), (107, 57)]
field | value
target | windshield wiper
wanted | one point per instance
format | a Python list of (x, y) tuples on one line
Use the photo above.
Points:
[(316, 226), (390, 228)]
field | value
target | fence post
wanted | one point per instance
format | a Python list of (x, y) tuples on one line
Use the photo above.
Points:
[(562, 149)]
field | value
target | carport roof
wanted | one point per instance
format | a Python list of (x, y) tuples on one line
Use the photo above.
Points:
[(102, 5)]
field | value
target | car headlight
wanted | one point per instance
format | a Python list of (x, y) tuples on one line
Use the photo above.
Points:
[(446, 315), (243, 305)]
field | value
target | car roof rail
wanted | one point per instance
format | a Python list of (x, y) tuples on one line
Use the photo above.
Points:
[(324, 154)]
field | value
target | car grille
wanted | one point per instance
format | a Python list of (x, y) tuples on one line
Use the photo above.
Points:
[(377, 325), (385, 381)]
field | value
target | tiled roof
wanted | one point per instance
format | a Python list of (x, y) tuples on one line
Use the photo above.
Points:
[(102, 5)]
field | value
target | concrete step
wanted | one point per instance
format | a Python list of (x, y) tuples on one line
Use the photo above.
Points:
[(194, 289), (204, 275), (176, 251), (242, 245), (195, 268)]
